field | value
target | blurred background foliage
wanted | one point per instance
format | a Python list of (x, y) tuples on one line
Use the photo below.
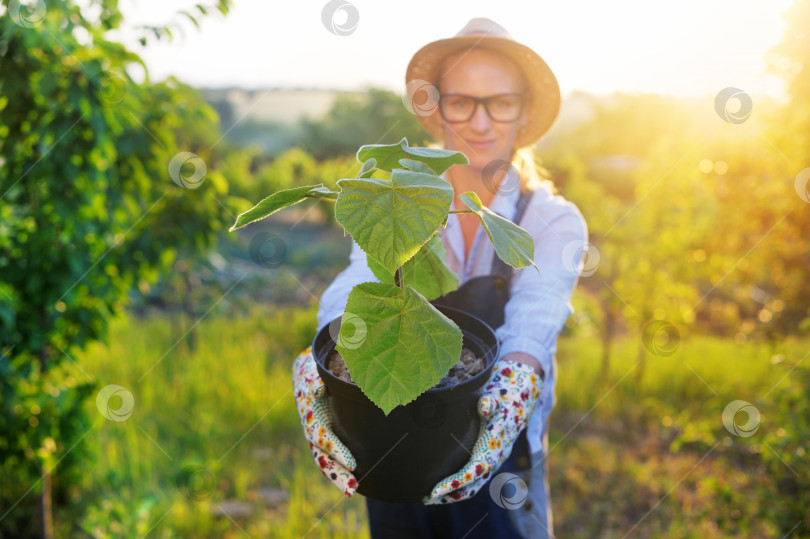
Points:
[(113, 272)]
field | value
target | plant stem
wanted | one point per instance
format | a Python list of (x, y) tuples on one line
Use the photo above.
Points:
[(398, 278), (459, 211)]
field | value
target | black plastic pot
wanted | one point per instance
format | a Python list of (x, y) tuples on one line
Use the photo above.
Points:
[(401, 457)]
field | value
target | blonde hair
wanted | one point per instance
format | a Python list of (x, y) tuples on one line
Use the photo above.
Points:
[(531, 171)]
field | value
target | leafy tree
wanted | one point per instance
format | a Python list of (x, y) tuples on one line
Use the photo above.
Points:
[(790, 132), (97, 195), (616, 164)]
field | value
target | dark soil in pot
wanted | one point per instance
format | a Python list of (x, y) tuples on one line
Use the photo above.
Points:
[(401, 457), (468, 366)]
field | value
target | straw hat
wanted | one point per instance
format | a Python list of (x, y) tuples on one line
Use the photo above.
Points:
[(544, 101)]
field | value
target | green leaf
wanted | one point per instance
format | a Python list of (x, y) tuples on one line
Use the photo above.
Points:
[(368, 169), (324, 193), (437, 159), (403, 346), (426, 272), (416, 166), (277, 201), (512, 244), (391, 220), (379, 271), (388, 156), (191, 17)]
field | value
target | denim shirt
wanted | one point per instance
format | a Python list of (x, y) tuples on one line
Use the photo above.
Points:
[(539, 303)]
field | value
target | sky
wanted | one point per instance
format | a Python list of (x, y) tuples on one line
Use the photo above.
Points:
[(688, 48)]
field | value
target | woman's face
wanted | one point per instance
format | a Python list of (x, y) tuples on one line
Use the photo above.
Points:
[(481, 73)]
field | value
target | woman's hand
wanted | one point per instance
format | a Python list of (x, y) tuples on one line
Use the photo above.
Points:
[(333, 458), (505, 408)]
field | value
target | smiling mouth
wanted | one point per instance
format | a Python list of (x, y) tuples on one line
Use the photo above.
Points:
[(479, 143)]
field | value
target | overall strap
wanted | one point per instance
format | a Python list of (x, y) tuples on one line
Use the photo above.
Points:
[(499, 267)]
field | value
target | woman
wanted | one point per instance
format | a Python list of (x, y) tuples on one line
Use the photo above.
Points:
[(495, 98)]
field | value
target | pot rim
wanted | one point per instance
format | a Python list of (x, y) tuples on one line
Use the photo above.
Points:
[(494, 352)]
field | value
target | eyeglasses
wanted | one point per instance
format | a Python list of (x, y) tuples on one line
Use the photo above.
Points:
[(457, 108)]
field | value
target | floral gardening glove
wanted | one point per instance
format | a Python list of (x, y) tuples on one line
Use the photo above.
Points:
[(334, 459), (507, 403)]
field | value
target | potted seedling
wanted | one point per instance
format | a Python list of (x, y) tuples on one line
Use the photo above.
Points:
[(397, 395)]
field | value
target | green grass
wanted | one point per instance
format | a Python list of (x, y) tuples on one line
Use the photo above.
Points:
[(227, 407), (618, 445), (651, 456), (701, 368)]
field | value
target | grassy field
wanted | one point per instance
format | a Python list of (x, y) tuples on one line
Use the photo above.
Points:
[(213, 447)]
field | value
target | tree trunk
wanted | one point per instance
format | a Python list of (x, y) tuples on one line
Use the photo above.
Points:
[(45, 506), (45, 497)]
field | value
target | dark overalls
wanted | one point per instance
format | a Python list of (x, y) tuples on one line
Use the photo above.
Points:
[(484, 296)]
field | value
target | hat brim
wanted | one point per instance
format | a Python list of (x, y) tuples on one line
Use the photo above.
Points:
[(544, 103)]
